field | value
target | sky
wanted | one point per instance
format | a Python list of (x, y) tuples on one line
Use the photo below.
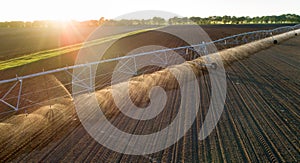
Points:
[(29, 10)]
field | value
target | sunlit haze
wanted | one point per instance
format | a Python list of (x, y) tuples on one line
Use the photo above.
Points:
[(28, 10)]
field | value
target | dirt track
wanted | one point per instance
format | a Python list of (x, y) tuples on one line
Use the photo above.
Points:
[(260, 121)]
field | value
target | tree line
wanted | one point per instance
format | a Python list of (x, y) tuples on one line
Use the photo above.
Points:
[(281, 19), (285, 18)]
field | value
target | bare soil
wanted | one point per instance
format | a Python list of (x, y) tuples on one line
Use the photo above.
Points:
[(259, 124)]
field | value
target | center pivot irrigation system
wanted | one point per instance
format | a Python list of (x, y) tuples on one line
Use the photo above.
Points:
[(200, 50)]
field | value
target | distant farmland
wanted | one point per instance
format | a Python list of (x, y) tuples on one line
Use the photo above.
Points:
[(22, 42)]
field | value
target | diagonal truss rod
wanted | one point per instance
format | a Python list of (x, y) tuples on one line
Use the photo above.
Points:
[(18, 98)]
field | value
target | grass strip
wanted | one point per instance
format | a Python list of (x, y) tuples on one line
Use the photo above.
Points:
[(45, 54)]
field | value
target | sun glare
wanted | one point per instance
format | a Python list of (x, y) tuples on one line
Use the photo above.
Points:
[(64, 23)]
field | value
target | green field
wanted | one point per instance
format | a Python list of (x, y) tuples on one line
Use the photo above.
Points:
[(45, 54)]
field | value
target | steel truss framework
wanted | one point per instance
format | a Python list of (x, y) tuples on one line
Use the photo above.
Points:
[(160, 57)]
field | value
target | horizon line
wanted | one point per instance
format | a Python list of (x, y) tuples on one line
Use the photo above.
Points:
[(166, 18)]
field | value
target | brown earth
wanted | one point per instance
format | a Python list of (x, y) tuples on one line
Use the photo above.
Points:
[(17, 42), (259, 122)]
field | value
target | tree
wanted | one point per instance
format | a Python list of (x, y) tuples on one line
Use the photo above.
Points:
[(158, 21), (195, 19), (226, 19), (28, 24), (234, 20), (101, 21)]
